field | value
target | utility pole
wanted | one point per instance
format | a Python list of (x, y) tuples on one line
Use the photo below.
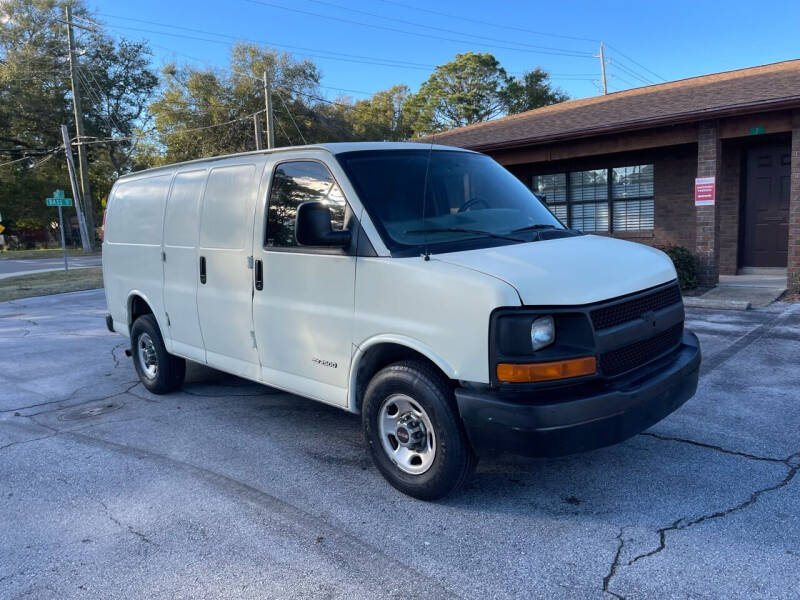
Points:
[(602, 58), (257, 126), (268, 106), (83, 163), (85, 241)]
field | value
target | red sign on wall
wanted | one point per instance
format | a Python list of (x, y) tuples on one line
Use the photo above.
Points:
[(705, 189)]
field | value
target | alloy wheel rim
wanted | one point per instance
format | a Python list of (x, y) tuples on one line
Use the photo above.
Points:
[(407, 435), (146, 353)]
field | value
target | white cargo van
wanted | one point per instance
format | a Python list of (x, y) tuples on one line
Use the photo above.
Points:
[(424, 287)]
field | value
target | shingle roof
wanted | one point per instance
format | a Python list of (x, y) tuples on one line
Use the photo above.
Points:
[(756, 88)]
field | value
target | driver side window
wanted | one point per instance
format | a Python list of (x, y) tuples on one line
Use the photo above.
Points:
[(292, 184)]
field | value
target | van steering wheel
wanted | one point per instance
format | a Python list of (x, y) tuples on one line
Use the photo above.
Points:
[(473, 202)]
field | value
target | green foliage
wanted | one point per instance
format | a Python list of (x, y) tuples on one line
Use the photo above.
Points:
[(192, 112), (532, 90), (35, 99), (382, 117), (468, 89), (197, 99), (685, 264), (472, 88)]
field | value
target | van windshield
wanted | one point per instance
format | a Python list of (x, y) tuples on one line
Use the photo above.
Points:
[(469, 197)]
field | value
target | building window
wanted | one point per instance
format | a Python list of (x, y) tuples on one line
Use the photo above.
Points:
[(632, 191), (552, 190), (604, 200)]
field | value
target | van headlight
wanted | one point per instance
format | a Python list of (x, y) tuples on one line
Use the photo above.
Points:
[(543, 332)]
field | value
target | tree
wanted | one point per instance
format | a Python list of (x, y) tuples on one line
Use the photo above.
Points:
[(203, 112), (382, 117), (468, 89), (35, 99), (532, 90)]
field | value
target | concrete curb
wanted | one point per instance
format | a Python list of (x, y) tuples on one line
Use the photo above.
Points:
[(700, 302)]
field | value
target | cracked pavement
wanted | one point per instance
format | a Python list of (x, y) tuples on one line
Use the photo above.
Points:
[(231, 489)]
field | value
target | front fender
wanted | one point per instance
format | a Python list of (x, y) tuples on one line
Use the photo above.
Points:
[(399, 340)]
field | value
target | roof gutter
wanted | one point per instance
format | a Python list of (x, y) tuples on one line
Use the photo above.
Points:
[(638, 124)]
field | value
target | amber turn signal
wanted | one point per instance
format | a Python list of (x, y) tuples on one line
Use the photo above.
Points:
[(561, 369)]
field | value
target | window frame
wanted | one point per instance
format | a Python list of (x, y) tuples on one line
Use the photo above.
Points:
[(612, 199), (609, 201), (350, 221)]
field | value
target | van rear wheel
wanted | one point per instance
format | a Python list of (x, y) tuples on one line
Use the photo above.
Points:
[(414, 433), (159, 371)]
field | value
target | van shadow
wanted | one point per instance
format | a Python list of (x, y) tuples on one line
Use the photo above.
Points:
[(643, 481)]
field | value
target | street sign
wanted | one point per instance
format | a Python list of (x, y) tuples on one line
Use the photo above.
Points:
[(2, 228), (58, 199)]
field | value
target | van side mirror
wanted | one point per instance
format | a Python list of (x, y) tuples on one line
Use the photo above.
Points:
[(313, 227)]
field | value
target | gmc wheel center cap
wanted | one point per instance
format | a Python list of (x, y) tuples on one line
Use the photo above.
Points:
[(402, 435)]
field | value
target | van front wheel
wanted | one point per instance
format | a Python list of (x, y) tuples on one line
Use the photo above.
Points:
[(159, 371), (414, 433)]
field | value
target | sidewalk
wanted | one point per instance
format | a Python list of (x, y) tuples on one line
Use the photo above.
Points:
[(752, 287), (12, 267), (47, 270)]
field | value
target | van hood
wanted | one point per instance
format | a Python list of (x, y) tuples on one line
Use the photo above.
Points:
[(570, 271)]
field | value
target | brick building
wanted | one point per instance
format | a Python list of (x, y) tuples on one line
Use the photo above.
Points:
[(627, 164)]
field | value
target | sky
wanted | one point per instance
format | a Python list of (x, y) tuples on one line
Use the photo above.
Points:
[(362, 46)]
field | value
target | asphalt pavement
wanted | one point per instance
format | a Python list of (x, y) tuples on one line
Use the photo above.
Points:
[(11, 267), (228, 489)]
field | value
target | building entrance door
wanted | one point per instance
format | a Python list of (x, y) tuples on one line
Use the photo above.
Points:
[(766, 206)]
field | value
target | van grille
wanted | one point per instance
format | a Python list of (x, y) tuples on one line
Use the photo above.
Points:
[(628, 310), (639, 353)]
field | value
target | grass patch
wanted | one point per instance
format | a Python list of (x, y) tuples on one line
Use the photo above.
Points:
[(43, 253), (50, 282)]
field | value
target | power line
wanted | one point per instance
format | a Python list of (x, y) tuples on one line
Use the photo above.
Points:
[(434, 28), (175, 132), (636, 63), (112, 113), (490, 23), (95, 97), (622, 79), (298, 92), (632, 73), (48, 155), (338, 89), (304, 51), (283, 131), (356, 58), (254, 78), (202, 60), (414, 33), (291, 116)]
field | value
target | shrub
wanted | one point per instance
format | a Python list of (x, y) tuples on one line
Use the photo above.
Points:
[(685, 264)]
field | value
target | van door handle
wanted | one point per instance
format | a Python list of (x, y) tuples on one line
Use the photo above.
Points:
[(259, 269), (202, 269)]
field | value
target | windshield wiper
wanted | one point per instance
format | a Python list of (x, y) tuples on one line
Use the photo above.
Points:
[(462, 230), (532, 227)]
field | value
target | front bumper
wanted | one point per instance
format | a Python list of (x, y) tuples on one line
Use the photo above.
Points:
[(496, 423)]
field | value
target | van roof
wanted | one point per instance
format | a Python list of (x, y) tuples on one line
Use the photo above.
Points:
[(333, 148)]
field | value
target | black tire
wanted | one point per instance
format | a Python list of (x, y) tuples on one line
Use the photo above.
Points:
[(453, 460), (170, 370)]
